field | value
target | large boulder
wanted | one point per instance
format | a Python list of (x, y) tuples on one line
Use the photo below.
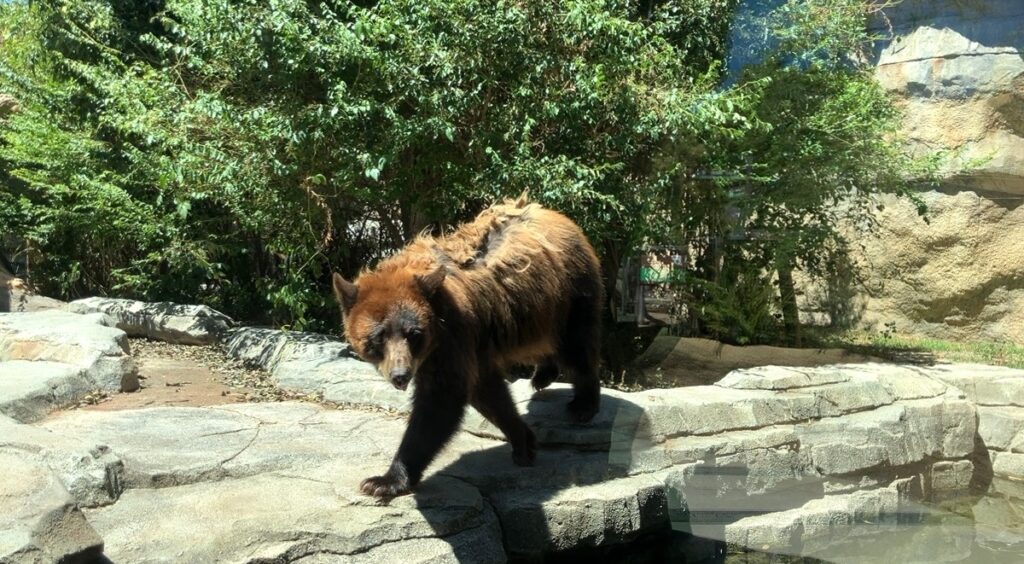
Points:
[(955, 62), (958, 277), (39, 520), (54, 359), (957, 69), (319, 365), (17, 296), (88, 469), (161, 321), (29, 390)]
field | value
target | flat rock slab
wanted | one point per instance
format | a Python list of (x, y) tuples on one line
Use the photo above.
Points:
[(283, 517), (212, 469), (682, 361), (39, 520), (1002, 427), (172, 446), (746, 399), (1008, 465), (616, 511), (163, 321), (166, 446), (983, 384), (275, 481), (898, 382)]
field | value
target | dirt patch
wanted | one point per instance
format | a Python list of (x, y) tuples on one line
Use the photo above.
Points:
[(674, 361), (190, 375)]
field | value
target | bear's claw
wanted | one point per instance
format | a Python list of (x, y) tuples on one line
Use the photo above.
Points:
[(385, 486)]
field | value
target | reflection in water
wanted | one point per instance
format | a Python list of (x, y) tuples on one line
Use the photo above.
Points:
[(986, 529)]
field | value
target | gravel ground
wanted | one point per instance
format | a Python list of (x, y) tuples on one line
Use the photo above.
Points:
[(253, 383)]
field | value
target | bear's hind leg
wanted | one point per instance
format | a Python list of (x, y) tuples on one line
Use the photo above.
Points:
[(544, 374), (493, 400), (580, 353)]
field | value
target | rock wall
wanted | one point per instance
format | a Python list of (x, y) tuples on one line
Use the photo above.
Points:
[(957, 68)]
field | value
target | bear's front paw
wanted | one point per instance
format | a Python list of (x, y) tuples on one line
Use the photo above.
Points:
[(582, 410), (385, 486)]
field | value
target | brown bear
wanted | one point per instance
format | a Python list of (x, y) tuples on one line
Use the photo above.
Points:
[(520, 284)]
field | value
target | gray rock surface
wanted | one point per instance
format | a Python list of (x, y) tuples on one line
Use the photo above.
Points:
[(1008, 464), (782, 456), (315, 364), (163, 321), (985, 385), (213, 468), (29, 390), (241, 520), (639, 469), (52, 359), (1002, 427), (39, 520), (91, 473), (961, 62), (15, 296), (85, 341), (540, 521), (170, 446)]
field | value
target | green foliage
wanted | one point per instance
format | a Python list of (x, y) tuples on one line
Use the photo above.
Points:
[(231, 152), (740, 308)]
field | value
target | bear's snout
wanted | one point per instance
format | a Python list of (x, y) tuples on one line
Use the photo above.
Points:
[(400, 377)]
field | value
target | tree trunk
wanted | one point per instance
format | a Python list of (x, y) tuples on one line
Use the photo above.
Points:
[(787, 293)]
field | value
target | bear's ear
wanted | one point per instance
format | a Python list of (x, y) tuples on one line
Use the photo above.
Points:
[(344, 291), (429, 283)]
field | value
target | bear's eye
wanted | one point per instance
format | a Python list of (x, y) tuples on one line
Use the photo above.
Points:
[(373, 349), (415, 338)]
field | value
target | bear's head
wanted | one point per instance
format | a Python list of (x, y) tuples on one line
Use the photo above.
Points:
[(389, 320)]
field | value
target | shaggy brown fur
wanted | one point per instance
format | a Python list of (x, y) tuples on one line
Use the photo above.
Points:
[(519, 284)]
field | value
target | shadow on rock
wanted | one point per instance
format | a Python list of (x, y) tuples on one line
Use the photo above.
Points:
[(594, 486)]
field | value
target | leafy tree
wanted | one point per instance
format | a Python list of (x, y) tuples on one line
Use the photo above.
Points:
[(234, 151), (230, 151)]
